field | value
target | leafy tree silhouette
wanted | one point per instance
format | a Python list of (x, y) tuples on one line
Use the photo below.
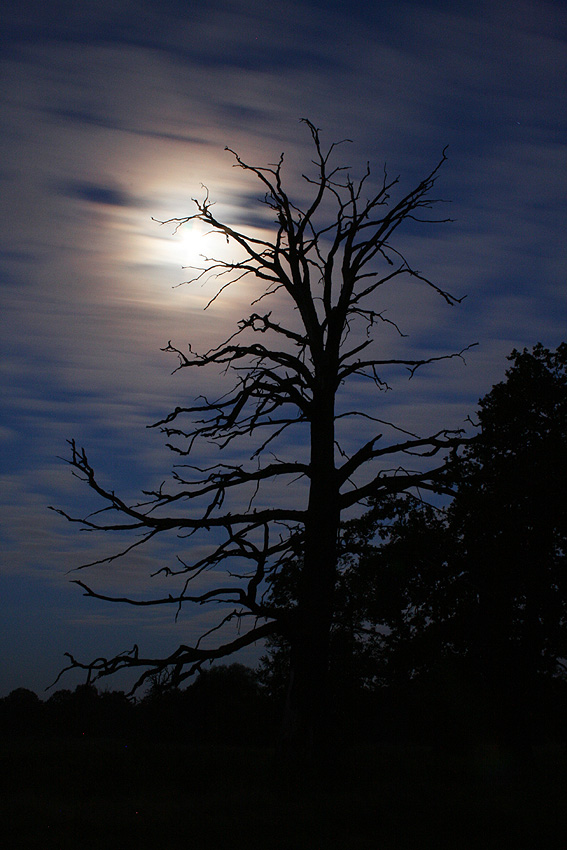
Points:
[(21, 712), (325, 265), (478, 592), (510, 520)]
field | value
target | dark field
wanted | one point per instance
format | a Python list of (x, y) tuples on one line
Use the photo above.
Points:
[(103, 793)]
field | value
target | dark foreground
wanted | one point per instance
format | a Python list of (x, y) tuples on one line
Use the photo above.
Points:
[(101, 793)]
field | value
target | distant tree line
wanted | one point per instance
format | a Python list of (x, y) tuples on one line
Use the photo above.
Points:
[(225, 705)]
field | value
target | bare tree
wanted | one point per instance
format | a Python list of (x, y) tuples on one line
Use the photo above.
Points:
[(323, 266)]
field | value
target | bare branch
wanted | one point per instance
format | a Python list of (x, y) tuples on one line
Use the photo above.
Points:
[(184, 656)]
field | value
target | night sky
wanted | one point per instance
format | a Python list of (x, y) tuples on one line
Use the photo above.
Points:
[(116, 112)]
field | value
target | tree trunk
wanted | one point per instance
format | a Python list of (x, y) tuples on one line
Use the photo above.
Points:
[(308, 709)]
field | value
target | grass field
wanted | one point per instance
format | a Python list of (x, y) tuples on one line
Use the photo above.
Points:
[(97, 793)]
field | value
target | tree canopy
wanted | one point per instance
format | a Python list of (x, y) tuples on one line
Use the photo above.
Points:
[(480, 586)]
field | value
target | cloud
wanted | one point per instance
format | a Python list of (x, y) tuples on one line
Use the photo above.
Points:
[(97, 194)]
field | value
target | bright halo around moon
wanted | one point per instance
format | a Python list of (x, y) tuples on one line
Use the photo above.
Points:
[(189, 253), (198, 250), (191, 244), (183, 246)]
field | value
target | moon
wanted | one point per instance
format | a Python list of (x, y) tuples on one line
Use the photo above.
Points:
[(191, 244)]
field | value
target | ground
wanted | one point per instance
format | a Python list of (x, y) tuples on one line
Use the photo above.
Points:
[(100, 793)]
